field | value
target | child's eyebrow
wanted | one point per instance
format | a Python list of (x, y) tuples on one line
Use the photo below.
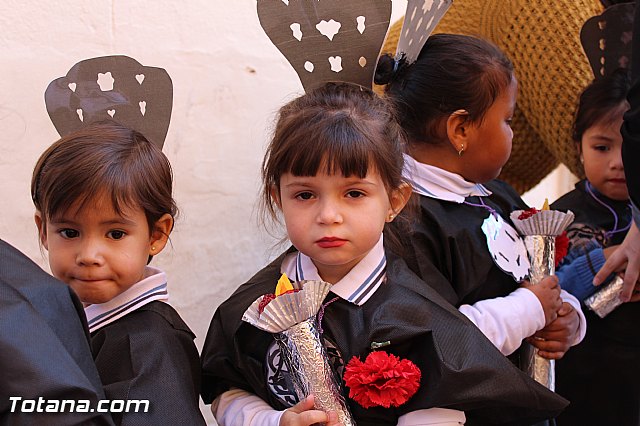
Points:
[(602, 138), (118, 221)]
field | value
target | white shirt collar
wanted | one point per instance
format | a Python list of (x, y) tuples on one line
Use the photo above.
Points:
[(435, 182), (357, 286), (152, 287)]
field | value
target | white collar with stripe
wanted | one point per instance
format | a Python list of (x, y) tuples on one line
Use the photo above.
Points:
[(435, 182), (152, 287), (357, 286)]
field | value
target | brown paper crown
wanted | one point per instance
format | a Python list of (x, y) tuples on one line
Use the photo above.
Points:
[(542, 40), (606, 39), (328, 40), (114, 88)]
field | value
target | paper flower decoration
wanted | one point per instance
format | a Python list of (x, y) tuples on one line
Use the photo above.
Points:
[(382, 380)]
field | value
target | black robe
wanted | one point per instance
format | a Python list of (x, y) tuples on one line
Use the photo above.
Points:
[(448, 235), (44, 347), (608, 359), (460, 368), (149, 354)]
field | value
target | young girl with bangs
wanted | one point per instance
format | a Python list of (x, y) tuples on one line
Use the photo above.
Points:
[(456, 103), (104, 208), (608, 356), (333, 173)]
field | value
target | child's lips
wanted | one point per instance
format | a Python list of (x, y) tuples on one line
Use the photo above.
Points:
[(89, 280), (618, 181), (330, 242)]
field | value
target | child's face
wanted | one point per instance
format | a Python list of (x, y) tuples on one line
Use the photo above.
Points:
[(335, 220), (601, 154), (98, 252), (490, 140)]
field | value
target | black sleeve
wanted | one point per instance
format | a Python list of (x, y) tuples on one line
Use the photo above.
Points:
[(44, 351), (631, 125)]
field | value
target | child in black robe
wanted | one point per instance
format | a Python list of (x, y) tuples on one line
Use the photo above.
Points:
[(607, 357), (456, 103), (333, 170), (104, 208)]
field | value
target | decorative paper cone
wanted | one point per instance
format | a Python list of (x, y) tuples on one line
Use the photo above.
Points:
[(290, 309), (544, 222)]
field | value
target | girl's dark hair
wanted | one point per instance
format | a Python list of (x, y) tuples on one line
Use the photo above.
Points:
[(452, 72), (103, 158), (343, 127), (602, 101)]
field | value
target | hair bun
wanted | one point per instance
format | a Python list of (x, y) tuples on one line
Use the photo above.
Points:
[(385, 70)]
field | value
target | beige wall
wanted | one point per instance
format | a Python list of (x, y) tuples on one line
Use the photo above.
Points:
[(228, 83)]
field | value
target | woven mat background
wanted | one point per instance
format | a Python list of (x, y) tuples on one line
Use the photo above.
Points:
[(542, 39)]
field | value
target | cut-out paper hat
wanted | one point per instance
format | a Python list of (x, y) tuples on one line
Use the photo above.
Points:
[(421, 18), (114, 88), (606, 39), (328, 40)]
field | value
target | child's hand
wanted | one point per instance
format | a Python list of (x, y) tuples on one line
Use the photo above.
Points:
[(555, 339), (548, 293), (635, 294), (303, 414), (608, 251)]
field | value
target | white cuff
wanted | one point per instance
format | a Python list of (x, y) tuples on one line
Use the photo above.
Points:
[(433, 417), (237, 407)]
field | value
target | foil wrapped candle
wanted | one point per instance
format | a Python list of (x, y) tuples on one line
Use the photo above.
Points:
[(291, 316), (540, 229), (606, 299)]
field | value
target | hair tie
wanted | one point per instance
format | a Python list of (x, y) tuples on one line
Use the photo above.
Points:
[(396, 65)]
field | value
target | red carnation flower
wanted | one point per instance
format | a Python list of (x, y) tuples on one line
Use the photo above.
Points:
[(526, 214), (381, 380), (562, 246)]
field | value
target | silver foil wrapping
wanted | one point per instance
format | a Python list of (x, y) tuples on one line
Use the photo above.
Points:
[(305, 356), (606, 299), (541, 249)]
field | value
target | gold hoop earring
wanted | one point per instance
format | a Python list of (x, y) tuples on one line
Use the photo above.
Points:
[(461, 150)]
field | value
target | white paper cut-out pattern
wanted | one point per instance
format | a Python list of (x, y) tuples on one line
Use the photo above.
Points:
[(328, 28), (336, 63), (361, 26), (297, 32), (105, 81), (308, 66)]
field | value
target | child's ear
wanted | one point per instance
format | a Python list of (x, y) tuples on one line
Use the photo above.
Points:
[(42, 232), (160, 234), (458, 126), (579, 150), (275, 196), (399, 198)]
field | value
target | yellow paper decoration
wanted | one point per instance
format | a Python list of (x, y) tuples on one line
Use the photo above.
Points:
[(283, 285)]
